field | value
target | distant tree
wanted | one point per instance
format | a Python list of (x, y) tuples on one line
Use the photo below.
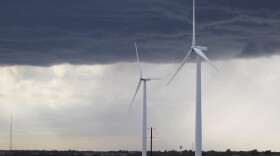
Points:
[(228, 152), (254, 153), (268, 152)]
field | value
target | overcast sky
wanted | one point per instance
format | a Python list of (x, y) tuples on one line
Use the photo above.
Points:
[(68, 73)]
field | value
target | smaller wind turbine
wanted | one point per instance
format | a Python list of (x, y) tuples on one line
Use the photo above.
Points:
[(144, 122)]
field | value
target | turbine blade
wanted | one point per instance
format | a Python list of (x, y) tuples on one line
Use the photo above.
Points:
[(193, 38), (182, 64), (201, 54), (137, 89), (138, 60)]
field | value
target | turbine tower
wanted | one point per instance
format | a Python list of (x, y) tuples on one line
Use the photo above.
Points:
[(199, 51), (144, 120)]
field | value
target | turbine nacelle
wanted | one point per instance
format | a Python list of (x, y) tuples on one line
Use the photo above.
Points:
[(145, 79), (204, 49), (149, 78)]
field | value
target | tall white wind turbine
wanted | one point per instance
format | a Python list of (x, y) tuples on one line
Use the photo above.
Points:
[(199, 51), (144, 121)]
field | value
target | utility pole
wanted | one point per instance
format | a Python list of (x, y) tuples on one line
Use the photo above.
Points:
[(152, 140)]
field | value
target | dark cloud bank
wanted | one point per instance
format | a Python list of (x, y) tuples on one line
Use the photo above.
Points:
[(37, 32)]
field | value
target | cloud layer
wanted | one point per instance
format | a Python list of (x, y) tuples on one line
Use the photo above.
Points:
[(103, 32)]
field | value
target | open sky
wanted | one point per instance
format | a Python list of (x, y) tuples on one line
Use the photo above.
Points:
[(68, 73)]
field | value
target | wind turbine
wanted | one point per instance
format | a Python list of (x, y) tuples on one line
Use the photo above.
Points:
[(144, 120), (199, 51)]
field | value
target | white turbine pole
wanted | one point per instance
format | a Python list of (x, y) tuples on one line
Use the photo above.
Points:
[(198, 128), (198, 124), (144, 130)]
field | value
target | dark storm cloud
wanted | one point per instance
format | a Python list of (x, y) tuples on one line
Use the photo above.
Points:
[(50, 32)]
